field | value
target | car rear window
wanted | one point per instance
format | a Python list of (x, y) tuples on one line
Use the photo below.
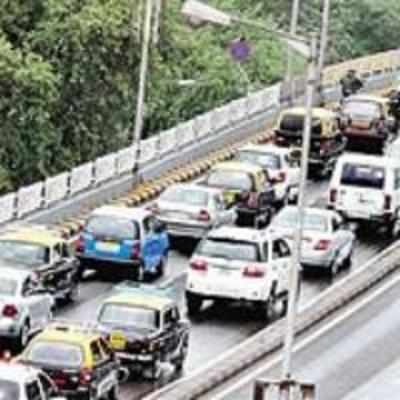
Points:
[(55, 354), (8, 287), (295, 123), (362, 109), (265, 160), (125, 315), (234, 180), (363, 175), (24, 253), (187, 196), (9, 390), (311, 222), (112, 227), (229, 249)]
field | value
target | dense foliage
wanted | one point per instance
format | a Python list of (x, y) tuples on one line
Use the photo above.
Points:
[(69, 70)]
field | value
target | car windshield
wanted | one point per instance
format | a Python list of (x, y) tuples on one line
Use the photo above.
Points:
[(112, 227), (230, 249), (23, 253), (9, 390), (234, 180), (187, 196), (55, 354), (362, 175), (311, 221), (294, 124), (265, 160), (8, 286), (362, 109), (124, 315)]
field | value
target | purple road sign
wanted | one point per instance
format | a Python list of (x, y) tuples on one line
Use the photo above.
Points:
[(240, 49)]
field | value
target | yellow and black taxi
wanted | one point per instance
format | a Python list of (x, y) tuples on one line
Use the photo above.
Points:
[(78, 360), (327, 141), (143, 325), (46, 255), (247, 187)]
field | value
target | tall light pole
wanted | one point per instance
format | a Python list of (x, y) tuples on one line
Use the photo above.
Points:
[(294, 19), (307, 47), (324, 41), (144, 65)]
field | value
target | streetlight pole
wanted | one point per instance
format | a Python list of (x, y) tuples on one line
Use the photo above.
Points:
[(296, 257), (323, 43), (137, 137), (293, 29)]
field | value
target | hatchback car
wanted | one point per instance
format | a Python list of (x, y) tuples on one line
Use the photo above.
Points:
[(46, 255), (77, 359), (190, 210), (327, 242), (121, 236), (24, 308), (239, 264), (145, 328)]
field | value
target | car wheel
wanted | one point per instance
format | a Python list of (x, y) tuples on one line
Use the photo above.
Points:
[(179, 362), (269, 307), (154, 371), (194, 303), (73, 295), (333, 268), (348, 260), (391, 229), (113, 394)]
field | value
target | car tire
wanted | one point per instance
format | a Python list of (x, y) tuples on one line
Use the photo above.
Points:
[(180, 361), (194, 303), (113, 394), (348, 260), (269, 306), (391, 230), (154, 371), (333, 268)]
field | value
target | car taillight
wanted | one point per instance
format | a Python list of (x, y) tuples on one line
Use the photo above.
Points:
[(254, 271), (199, 265), (322, 244), (80, 244), (10, 311), (135, 252), (253, 200), (333, 195), (203, 216), (85, 376), (59, 378), (387, 203)]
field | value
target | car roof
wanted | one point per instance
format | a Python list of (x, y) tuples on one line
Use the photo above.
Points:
[(33, 235), (317, 112), (195, 186), (136, 213), (144, 300), (379, 161), (238, 166), (238, 234), (368, 97), (16, 372), (265, 148), (70, 333)]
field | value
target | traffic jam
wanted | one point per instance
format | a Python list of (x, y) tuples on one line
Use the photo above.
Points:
[(242, 217)]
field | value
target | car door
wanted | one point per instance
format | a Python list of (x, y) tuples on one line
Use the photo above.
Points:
[(281, 262), (170, 335), (32, 302)]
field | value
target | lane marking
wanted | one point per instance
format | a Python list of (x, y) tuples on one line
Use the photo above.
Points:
[(307, 341)]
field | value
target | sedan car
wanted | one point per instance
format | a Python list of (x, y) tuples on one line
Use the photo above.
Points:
[(190, 210), (25, 309), (327, 242), (283, 171), (46, 255)]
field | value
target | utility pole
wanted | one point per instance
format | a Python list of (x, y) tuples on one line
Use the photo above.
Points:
[(293, 29), (158, 6), (323, 42), (144, 62)]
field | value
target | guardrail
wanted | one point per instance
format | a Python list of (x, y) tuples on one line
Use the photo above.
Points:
[(379, 70)]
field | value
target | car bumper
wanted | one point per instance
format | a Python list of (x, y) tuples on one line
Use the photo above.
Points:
[(96, 261), (183, 229), (316, 261), (360, 215)]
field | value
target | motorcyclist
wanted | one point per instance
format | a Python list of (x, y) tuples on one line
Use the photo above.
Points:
[(350, 83)]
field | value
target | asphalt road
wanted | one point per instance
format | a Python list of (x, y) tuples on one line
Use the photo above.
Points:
[(217, 330), (353, 357)]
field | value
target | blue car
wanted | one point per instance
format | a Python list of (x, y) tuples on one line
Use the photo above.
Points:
[(130, 237)]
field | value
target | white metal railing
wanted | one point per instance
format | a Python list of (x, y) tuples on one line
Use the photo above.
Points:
[(379, 69)]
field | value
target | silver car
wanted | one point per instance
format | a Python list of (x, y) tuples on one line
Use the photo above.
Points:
[(327, 243), (24, 308), (190, 210)]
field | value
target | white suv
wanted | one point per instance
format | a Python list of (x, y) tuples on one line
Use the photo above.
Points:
[(367, 188), (243, 264), (19, 382)]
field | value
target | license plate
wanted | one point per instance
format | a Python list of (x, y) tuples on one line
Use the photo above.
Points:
[(118, 340), (108, 247), (177, 215)]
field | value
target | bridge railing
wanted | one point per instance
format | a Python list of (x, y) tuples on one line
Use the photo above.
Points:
[(379, 70)]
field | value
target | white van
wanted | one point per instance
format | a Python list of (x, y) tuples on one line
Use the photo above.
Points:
[(367, 188)]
